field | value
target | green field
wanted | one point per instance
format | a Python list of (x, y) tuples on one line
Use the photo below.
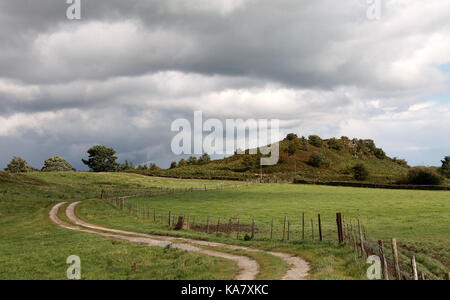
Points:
[(32, 247)]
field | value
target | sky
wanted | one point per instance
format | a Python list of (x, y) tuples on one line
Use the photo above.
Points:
[(126, 70)]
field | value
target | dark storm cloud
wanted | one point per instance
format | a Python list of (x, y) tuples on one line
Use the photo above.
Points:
[(124, 72)]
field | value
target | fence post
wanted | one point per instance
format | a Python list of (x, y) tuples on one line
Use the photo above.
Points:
[(383, 260), (354, 238), (229, 226), (207, 225), (188, 224), (284, 228), (312, 229), (361, 240), (218, 225), (414, 268), (303, 226), (339, 227), (398, 275), (320, 228), (253, 228), (289, 231), (271, 230), (238, 229), (170, 218)]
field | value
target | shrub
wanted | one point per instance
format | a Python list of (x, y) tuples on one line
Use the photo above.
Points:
[(57, 164), (315, 140), (316, 159), (293, 147), (18, 165), (379, 153), (400, 162), (424, 176), (291, 137), (445, 169), (173, 165), (335, 144), (360, 172), (204, 159)]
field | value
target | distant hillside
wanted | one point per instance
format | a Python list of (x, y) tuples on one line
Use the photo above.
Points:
[(336, 159)]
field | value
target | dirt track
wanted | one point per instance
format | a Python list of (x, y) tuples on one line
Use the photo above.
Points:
[(248, 268)]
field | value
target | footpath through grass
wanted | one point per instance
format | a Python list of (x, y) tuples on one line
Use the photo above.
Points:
[(31, 247)]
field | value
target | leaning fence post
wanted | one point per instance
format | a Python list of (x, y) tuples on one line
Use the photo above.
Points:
[(398, 275), (383, 260), (320, 228), (361, 240), (414, 268)]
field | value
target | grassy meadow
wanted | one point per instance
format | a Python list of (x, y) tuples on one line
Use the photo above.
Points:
[(32, 247)]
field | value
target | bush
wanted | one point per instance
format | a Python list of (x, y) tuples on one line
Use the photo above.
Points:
[(379, 153), (57, 164), (335, 144), (18, 165), (360, 172), (173, 165), (291, 137), (293, 147), (424, 176), (445, 169), (315, 140), (400, 162), (317, 159)]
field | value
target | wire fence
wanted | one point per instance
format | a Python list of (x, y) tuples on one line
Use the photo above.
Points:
[(396, 265)]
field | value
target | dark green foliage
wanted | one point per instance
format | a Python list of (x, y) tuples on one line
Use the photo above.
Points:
[(360, 172), (379, 153), (204, 159), (192, 160), (182, 163), (304, 145), (57, 164), (293, 147), (315, 140), (335, 144), (291, 137), (400, 162), (424, 176), (18, 165), (445, 169), (173, 165), (101, 159), (317, 159), (126, 166)]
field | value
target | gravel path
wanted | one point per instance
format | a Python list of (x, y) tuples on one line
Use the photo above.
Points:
[(248, 267)]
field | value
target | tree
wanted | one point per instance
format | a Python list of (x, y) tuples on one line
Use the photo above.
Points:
[(293, 147), (360, 172), (101, 159), (335, 144), (173, 165), (182, 163), (315, 140), (379, 153), (128, 165), (18, 165), (57, 164), (445, 169), (192, 160)]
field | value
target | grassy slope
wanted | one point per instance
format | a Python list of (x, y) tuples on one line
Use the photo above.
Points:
[(341, 161), (419, 219), (31, 247)]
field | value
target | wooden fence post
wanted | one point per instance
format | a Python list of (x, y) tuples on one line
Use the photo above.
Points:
[(398, 274), (271, 230), (229, 226), (361, 240), (207, 225), (284, 228), (238, 229), (218, 225), (383, 260), (414, 268), (312, 229), (339, 227), (253, 229), (289, 231), (170, 218), (303, 226), (188, 224), (320, 227)]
